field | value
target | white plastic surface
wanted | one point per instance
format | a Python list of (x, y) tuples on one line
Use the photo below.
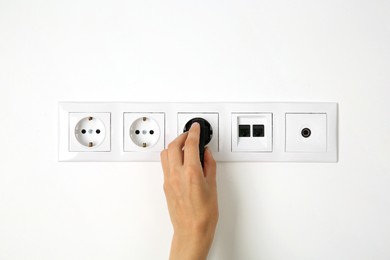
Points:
[(174, 123)]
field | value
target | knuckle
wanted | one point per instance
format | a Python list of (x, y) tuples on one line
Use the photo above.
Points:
[(171, 146), (191, 170)]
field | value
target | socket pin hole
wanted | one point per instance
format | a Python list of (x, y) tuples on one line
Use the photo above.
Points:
[(83, 131), (137, 132), (98, 131), (151, 132), (306, 132)]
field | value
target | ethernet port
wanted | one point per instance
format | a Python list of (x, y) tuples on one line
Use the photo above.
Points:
[(244, 131), (258, 130)]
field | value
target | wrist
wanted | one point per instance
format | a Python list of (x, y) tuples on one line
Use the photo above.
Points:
[(195, 237), (191, 245)]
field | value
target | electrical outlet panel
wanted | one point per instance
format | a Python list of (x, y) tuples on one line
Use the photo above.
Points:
[(257, 132)]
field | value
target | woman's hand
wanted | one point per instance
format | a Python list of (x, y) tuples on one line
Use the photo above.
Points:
[(191, 194)]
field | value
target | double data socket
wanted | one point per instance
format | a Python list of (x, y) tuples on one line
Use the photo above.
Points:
[(304, 132), (251, 132)]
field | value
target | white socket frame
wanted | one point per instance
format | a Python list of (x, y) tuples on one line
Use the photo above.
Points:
[(224, 110)]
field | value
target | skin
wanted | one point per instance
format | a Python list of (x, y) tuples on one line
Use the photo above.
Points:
[(191, 194)]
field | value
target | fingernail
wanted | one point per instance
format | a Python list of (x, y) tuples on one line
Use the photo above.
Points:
[(195, 123)]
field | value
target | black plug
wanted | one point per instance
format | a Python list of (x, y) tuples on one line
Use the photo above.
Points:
[(206, 132)]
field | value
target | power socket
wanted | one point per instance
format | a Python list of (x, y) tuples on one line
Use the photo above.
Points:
[(89, 132), (144, 132), (213, 118)]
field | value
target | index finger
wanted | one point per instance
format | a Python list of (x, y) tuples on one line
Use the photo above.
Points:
[(191, 148)]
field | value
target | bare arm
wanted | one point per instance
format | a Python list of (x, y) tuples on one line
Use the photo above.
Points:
[(191, 194)]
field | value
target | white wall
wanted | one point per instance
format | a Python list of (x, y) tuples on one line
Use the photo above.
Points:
[(202, 50)]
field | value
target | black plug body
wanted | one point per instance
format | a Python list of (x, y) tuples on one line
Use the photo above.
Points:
[(206, 133)]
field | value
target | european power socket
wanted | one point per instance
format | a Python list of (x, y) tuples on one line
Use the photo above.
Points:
[(89, 132), (143, 132)]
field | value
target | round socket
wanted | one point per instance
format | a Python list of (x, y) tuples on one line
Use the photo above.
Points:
[(145, 132), (90, 131), (306, 132), (208, 129)]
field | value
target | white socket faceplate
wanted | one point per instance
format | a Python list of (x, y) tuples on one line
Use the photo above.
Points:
[(89, 132), (316, 138), (286, 145), (252, 143), (144, 132)]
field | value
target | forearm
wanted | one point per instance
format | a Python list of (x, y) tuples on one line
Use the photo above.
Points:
[(190, 246)]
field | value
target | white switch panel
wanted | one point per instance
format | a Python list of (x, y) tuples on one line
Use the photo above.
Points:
[(257, 132)]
